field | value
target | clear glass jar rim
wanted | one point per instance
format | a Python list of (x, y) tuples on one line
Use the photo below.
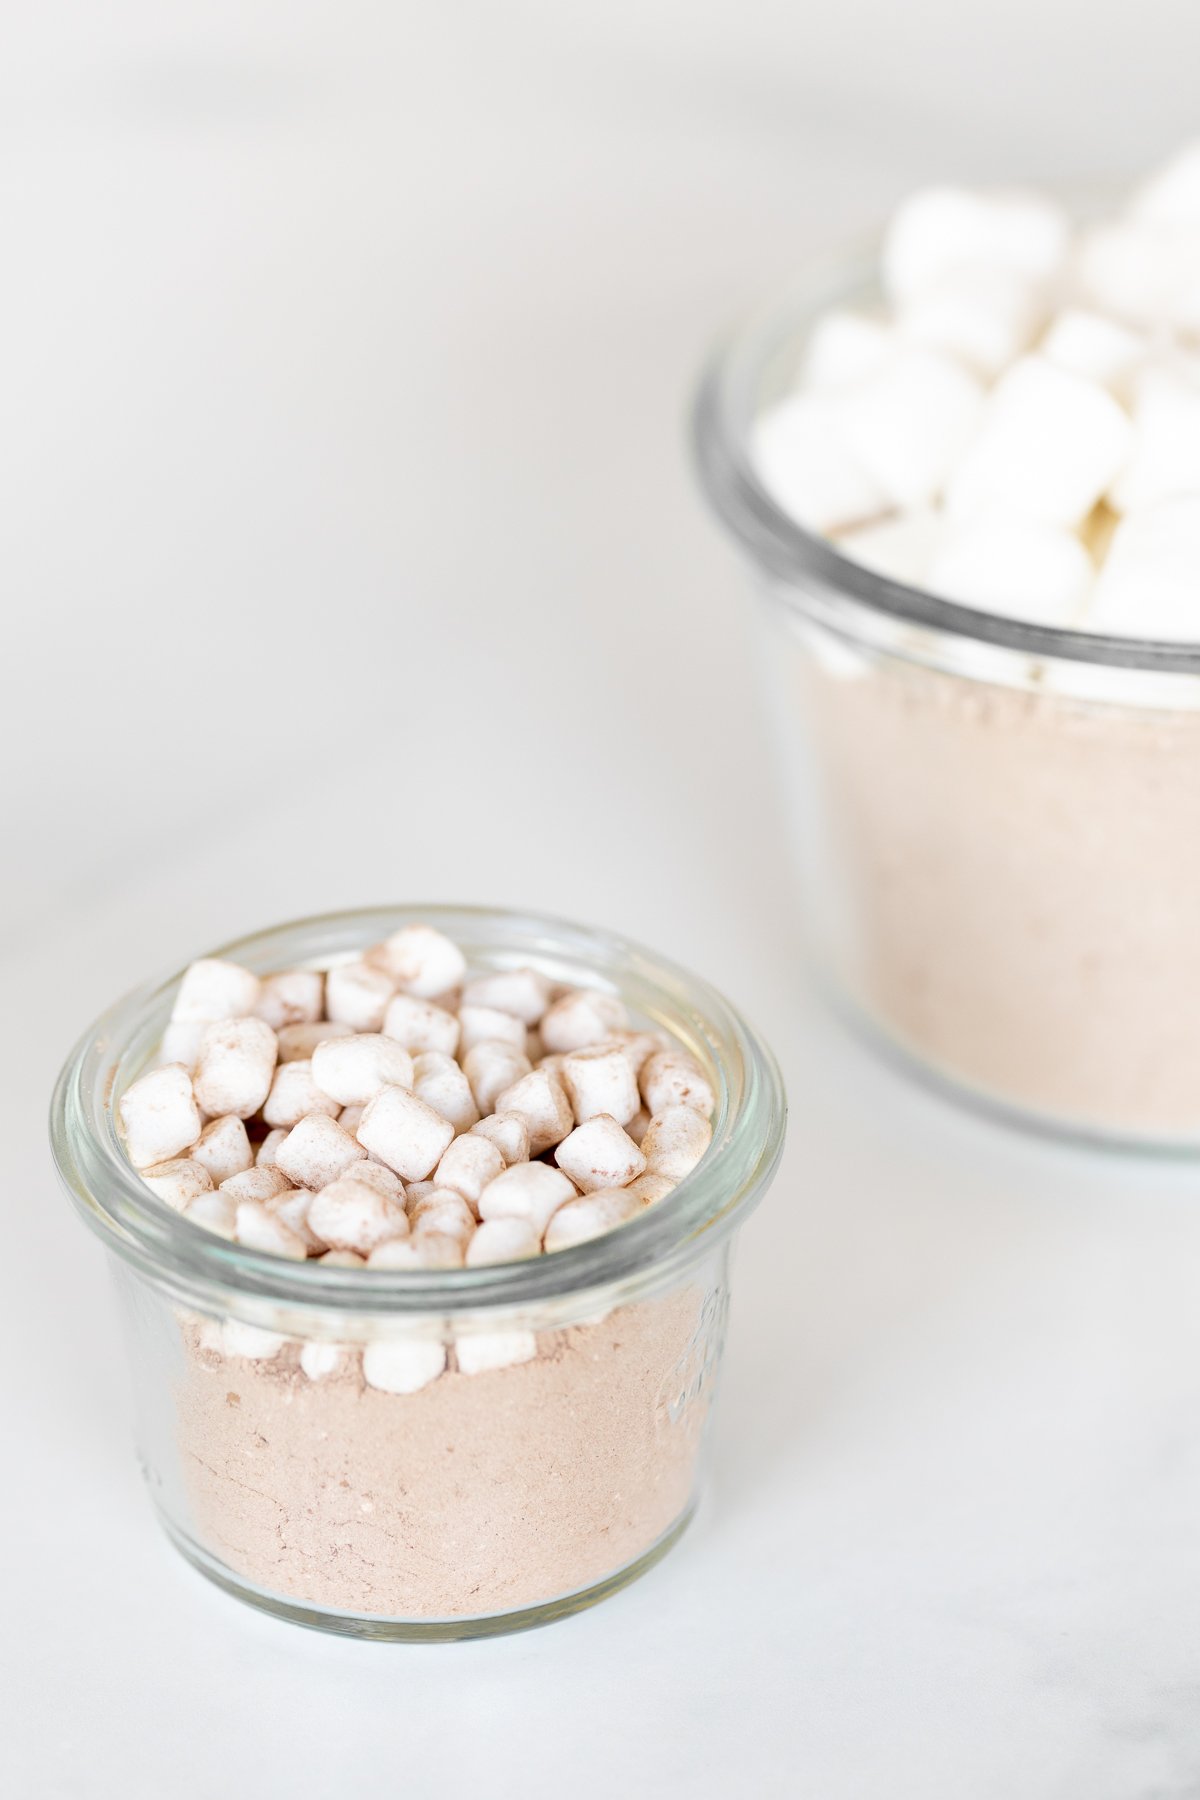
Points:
[(725, 405), (748, 1130)]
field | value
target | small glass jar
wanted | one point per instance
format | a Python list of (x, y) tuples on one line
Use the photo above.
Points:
[(996, 824), (560, 1470)]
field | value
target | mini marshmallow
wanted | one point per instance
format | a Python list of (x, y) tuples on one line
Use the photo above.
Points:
[(673, 1078), (809, 469), (468, 1165), (223, 1148), (532, 1191), (1049, 445), (580, 1220), (416, 1191), (430, 1250), (984, 318), (675, 1140), (357, 994), (350, 1118), (844, 347), (599, 1155), (637, 1126), (291, 1208), (935, 234), (1145, 274), (503, 1240), (900, 548), (1017, 567), (542, 1102), (420, 961), (1147, 587), (1165, 459), (1099, 349), (909, 425), (159, 1115), (491, 1067), (234, 1338), (265, 1155), (486, 1024), (319, 1361), (235, 1066), (354, 1069), (522, 992), (403, 1132), (420, 1025), (297, 1042), (351, 1214), (260, 1230), (260, 1183), (584, 1016), (344, 1259), (316, 1151), (178, 1182), (1171, 196), (509, 1133), (443, 1214), (600, 1079), (442, 1085), (212, 989), (637, 1046), (293, 997), (377, 1175), (181, 1042), (650, 1188), (403, 1368), (294, 1093), (484, 1350), (214, 1212)]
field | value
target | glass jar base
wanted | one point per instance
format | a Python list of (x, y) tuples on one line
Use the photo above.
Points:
[(420, 1631)]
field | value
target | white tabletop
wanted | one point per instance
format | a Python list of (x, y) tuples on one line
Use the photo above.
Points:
[(344, 482)]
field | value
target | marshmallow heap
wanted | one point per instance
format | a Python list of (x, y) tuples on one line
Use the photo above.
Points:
[(396, 1113), (1018, 427)]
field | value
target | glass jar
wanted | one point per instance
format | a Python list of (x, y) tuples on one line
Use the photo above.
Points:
[(996, 824), (483, 1502)]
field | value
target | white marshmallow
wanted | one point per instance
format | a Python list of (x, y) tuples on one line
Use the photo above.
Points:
[(291, 1208), (442, 1085), (294, 1093), (181, 1042), (1148, 275), (159, 1115), (214, 1212), (403, 1132), (297, 1042), (468, 1165), (637, 1126), (592, 1217), (600, 1079), (420, 961), (673, 1078), (938, 232), (235, 1066), (403, 1368), (1165, 460), (350, 1117), (354, 1069), (319, 1361), (357, 994), (344, 1259), (1017, 567), (377, 1175), (501, 1241), (353, 1215), (250, 1341), (675, 1140), (223, 1148), (420, 1025), (1148, 585), (584, 1016), (650, 1188), (260, 1230), (1099, 349), (844, 347), (260, 1183), (178, 1182), (599, 1155), (637, 1046), (901, 548), (265, 1155), (429, 1250), (909, 424), (1171, 196), (509, 1133), (416, 1191), (542, 1102), (484, 1350), (443, 1213), (212, 989), (316, 1151), (487, 1024), (525, 993), (1049, 445), (491, 1067), (809, 469), (292, 997), (984, 318), (532, 1191)]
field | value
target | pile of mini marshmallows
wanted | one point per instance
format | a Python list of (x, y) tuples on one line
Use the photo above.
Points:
[(392, 1113), (1018, 427)]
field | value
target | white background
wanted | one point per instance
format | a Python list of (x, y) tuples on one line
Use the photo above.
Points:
[(350, 552)]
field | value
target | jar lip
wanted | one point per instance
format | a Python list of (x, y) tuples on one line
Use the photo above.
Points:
[(725, 404), (748, 1126)]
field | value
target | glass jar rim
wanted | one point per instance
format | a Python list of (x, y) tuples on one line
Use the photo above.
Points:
[(195, 1264), (726, 402)]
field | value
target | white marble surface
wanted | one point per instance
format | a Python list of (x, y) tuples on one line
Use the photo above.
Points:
[(324, 321)]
